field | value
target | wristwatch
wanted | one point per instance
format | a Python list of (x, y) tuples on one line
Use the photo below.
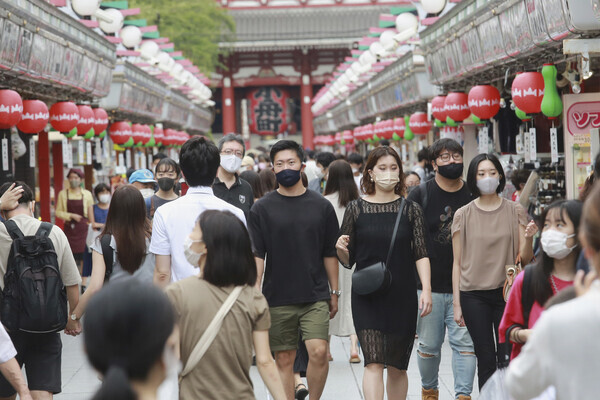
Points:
[(74, 317), (338, 293)]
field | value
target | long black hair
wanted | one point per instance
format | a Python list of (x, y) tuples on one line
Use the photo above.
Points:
[(126, 327), (542, 269), (341, 180)]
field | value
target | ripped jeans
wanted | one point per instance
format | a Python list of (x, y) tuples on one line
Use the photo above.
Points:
[(431, 330)]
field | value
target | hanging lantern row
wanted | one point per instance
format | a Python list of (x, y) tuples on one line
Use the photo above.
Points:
[(125, 134)]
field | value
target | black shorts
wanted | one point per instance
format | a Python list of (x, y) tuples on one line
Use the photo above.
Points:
[(41, 354)]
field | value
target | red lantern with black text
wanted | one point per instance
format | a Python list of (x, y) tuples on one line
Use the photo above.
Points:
[(457, 106), (11, 108), (438, 109), (86, 120), (120, 132), (64, 116), (419, 124), (100, 120), (34, 118), (528, 92), (268, 111), (484, 101)]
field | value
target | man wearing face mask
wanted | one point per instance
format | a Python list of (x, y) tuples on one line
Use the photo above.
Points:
[(228, 185), (168, 173), (295, 229), (323, 160), (143, 180), (440, 198)]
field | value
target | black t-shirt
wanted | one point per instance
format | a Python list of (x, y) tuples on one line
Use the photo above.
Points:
[(240, 194), (294, 234), (439, 212), (155, 202)]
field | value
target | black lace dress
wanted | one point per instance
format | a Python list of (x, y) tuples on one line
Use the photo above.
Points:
[(386, 323)]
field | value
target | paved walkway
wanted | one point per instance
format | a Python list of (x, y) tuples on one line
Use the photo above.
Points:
[(344, 380)]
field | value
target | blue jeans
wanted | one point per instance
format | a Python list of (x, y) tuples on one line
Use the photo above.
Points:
[(431, 330)]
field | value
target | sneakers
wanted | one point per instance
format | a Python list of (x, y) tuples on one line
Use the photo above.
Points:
[(429, 394)]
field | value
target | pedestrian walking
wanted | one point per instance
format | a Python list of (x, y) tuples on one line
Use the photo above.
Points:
[(562, 350), (220, 247), (75, 207), (386, 320), (102, 194), (143, 180), (129, 340), (323, 160), (295, 230), (167, 174), (127, 227), (26, 246), (255, 183), (228, 185), (440, 198), (340, 191), (553, 272), (411, 180), (199, 160), (487, 234), (10, 368), (357, 162)]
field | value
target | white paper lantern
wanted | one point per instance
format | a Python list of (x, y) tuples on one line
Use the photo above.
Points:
[(85, 8), (433, 6), (376, 49), (406, 25), (116, 24), (131, 36), (366, 59), (387, 39), (356, 67), (149, 50)]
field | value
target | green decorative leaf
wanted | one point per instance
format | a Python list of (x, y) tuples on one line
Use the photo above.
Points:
[(408, 133), (71, 133), (450, 122), (90, 134), (395, 136), (551, 103)]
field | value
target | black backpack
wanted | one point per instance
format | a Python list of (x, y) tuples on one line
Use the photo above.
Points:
[(34, 298)]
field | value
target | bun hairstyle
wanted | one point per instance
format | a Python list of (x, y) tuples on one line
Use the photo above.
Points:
[(125, 330), (591, 223)]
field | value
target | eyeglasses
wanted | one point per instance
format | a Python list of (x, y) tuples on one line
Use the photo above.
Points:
[(446, 157), (229, 152)]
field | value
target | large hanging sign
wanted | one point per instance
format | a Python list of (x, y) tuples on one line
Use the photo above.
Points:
[(268, 111)]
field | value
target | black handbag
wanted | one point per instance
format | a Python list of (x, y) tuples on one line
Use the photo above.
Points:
[(376, 278)]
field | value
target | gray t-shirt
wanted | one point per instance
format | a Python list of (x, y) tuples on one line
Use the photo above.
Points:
[(144, 273)]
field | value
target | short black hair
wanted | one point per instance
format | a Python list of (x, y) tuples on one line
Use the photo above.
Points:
[(129, 172), (199, 159), (440, 145), (472, 173), (310, 154), (355, 158), (384, 142), (100, 188), (158, 156), (232, 137), (229, 258), (287, 145), (26, 197), (166, 164), (325, 158), (423, 154), (518, 177)]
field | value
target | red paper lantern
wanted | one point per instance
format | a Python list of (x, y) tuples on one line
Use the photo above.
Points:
[(419, 124), (268, 110), (147, 134), (528, 91), (399, 126), (457, 106), (438, 109), (338, 137), (120, 132), (64, 116), (348, 137), (484, 101), (159, 135), (369, 132), (100, 120), (137, 132), (11, 108), (86, 120), (170, 138), (34, 118)]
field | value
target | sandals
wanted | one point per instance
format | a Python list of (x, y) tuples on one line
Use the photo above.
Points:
[(301, 391)]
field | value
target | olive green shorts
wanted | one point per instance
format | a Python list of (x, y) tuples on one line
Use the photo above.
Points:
[(312, 319)]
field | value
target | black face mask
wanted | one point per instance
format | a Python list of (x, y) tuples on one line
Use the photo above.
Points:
[(451, 171), (288, 177), (166, 184)]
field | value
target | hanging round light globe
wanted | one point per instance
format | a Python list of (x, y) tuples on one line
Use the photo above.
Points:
[(407, 25), (85, 8), (433, 6), (356, 67), (164, 61), (343, 80), (376, 49), (387, 40), (131, 36), (149, 50), (176, 70), (366, 58), (117, 21)]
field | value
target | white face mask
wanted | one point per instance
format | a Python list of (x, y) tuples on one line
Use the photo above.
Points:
[(355, 170), (386, 181), (147, 192), (230, 162), (190, 255), (320, 174), (104, 198), (554, 244), (488, 185)]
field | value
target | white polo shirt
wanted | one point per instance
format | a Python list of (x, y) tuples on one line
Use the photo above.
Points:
[(174, 221), (7, 350)]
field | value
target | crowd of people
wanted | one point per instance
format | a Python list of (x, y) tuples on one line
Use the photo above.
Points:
[(195, 267)]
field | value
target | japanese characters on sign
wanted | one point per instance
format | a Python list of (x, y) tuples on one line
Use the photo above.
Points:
[(268, 111)]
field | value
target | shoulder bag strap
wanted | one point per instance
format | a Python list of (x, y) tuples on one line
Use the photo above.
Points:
[(395, 232), (211, 332), (44, 229), (13, 229), (108, 255)]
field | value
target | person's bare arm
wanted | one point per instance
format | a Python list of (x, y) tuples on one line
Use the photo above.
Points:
[(10, 198), (96, 282), (425, 301), (13, 374), (456, 249), (260, 269), (332, 268), (341, 248), (162, 271), (91, 218), (266, 365), (73, 328), (526, 242)]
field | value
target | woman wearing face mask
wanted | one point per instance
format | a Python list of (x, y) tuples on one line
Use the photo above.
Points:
[(129, 340), (75, 206), (129, 229), (554, 272), (168, 173), (102, 193), (388, 320), (487, 234), (219, 246)]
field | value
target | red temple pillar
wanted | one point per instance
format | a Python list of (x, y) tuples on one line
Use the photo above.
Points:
[(59, 178), (44, 175), (229, 124), (306, 95)]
